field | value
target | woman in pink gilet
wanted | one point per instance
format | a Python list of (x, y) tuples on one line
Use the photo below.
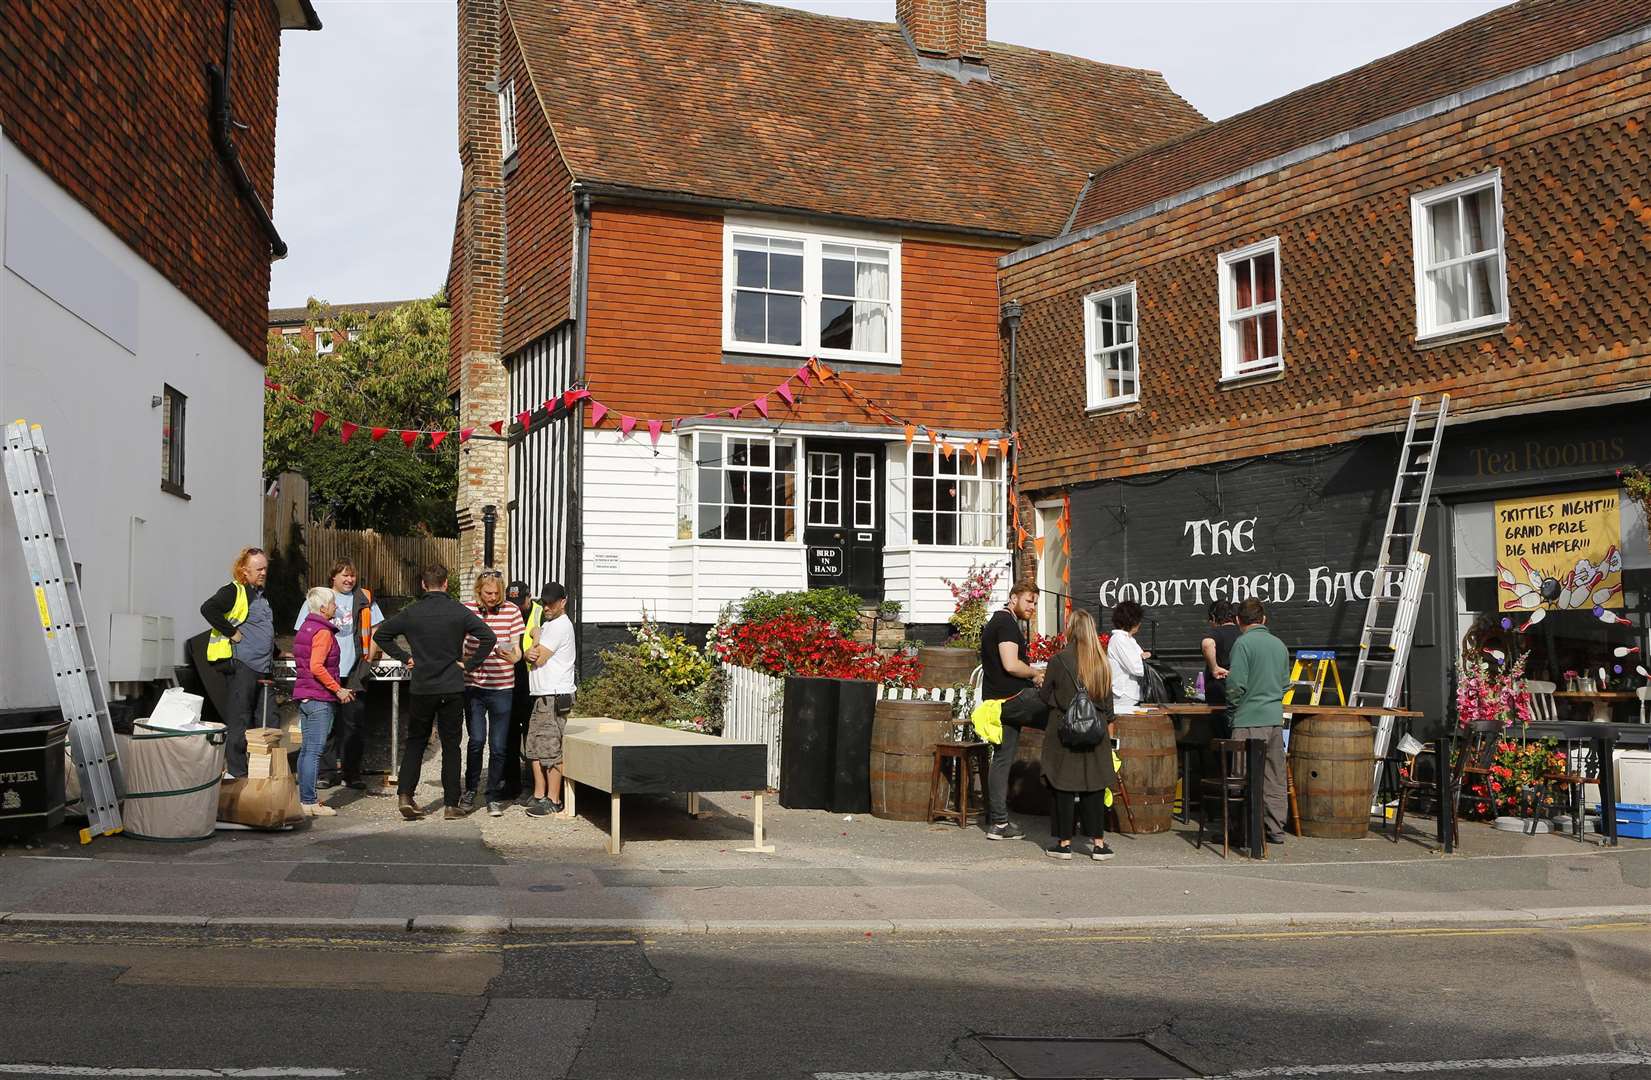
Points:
[(317, 692)]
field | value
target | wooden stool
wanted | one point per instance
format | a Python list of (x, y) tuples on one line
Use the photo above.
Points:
[(970, 769)]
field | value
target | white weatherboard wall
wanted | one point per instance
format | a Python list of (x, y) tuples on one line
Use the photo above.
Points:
[(629, 525), (916, 576), (723, 571), (89, 332)]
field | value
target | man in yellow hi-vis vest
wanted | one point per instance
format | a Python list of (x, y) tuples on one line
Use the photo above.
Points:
[(241, 644)]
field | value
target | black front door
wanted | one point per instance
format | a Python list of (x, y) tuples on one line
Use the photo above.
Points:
[(843, 515)]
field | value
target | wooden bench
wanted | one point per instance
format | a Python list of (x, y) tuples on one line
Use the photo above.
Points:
[(625, 758)]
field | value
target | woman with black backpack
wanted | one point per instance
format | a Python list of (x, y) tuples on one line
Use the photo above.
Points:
[(1077, 749)]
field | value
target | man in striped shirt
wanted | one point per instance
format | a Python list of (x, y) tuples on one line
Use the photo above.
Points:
[(488, 692)]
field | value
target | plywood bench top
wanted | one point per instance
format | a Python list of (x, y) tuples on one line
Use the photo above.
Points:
[(601, 731)]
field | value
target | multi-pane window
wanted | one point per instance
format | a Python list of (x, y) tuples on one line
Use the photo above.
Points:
[(1114, 360), (802, 294), (172, 430), (737, 487), (323, 342), (507, 119), (292, 339), (956, 499), (825, 488), (1252, 332), (1461, 280), (865, 491)]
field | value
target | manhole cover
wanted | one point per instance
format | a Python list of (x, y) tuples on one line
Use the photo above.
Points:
[(1084, 1059)]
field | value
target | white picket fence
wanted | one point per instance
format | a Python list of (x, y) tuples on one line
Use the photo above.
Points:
[(755, 704)]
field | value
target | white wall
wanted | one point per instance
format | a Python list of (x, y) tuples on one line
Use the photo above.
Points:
[(915, 576), (85, 342), (629, 525), (723, 571)]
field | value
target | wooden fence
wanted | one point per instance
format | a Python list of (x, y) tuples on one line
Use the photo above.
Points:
[(389, 565)]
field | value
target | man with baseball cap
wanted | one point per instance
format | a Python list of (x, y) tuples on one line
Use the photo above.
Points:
[(550, 651)]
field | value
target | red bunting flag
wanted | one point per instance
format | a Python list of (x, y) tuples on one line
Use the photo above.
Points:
[(570, 396), (464, 435), (550, 404), (317, 418), (654, 427), (803, 376), (762, 406), (626, 424), (525, 418), (379, 433), (436, 437), (497, 426), (597, 412), (784, 390), (408, 438), (347, 430)]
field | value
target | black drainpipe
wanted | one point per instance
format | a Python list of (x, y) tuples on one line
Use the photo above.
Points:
[(1011, 313), (576, 522), (223, 121)]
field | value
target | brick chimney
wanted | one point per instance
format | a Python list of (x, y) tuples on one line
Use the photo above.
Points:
[(477, 276), (952, 29)]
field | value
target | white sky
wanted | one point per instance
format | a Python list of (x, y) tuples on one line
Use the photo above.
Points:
[(367, 172)]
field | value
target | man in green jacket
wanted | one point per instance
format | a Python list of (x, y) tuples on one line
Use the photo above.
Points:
[(1256, 679)]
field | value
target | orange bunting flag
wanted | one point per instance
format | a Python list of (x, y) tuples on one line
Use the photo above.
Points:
[(464, 435), (379, 433), (911, 433), (497, 426), (823, 372), (1003, 447), (946, 450), (933, 440), (1020, 536), (408, 438), (436, 437), (346, 430), (847, 389), (597, 412), (317, 418), (1037, 546)]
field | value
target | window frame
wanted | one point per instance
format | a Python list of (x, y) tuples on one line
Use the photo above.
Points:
[(332, 341), (813, 241), (688, 469), (507, 120), (1093, 370), (999, 536), (175, 426), (1230, 313), (1420, 233)]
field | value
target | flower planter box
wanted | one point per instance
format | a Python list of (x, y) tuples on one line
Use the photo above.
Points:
[(825, 744)]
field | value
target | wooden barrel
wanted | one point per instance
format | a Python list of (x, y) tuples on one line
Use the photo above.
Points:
[(946, 667), (1146, 746), (1028, 794), (903, 734), (1332, 759)]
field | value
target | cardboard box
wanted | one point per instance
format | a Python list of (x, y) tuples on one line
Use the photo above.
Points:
[(268, 797)]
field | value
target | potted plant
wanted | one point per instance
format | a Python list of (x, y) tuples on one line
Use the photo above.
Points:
[(955, 661), (1636, 488)]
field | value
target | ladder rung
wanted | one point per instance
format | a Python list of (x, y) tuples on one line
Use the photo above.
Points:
[(1415, 472), (1408, 502)]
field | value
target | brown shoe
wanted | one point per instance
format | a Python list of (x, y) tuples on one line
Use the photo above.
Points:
[(452, 813), (409, 808)]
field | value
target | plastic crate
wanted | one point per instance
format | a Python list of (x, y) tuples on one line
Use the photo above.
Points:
[(1634, 819)]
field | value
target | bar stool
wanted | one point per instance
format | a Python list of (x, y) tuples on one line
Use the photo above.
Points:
[(971, 769)]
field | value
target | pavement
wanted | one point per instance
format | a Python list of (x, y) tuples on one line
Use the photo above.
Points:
[(829, 873)]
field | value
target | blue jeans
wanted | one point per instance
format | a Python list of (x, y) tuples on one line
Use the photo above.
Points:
[(315, 718), (487, 721)]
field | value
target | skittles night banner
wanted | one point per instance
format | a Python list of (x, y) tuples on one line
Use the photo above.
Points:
[(1560, 552)]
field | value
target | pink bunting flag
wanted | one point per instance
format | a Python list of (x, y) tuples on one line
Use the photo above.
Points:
[(654, 428), (497, 426), (379, 433), (550, 405), (803, 375), (626, 424), (597, 412), (408, 438), (436, 437), (317, 418), (464, 435), (525, 418), (784, 390), (762, 405), (347, 430), (735, 411)]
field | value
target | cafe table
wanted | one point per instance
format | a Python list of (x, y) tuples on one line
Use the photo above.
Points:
[(1600, 702)]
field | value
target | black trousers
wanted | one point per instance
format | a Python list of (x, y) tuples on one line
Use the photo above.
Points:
[(249, 707), (446, 713), (1071, 807), (521, 707), (349, 739)]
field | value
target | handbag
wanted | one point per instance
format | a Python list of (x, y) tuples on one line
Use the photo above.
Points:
[(1082, 727)]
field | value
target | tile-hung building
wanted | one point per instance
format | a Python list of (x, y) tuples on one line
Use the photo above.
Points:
[(677, 203), (1215, 358)]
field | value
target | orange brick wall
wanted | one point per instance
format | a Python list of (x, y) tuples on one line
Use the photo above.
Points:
[(1575, 157), (654, 346), (112, 102)]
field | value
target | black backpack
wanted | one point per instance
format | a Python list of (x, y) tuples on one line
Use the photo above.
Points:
[(1082, 728)]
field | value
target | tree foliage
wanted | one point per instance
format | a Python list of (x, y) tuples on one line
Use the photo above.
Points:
[(388, 370)]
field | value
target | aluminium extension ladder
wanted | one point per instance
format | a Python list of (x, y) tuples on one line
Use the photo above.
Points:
[(1390, 620), (52, 574)]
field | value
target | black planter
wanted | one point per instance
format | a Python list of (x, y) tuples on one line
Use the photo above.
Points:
[(825, 744), (31, 771)]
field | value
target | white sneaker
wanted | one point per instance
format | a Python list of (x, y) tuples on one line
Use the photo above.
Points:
[(315, 809)]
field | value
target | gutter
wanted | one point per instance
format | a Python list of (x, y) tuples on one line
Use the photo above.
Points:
[(576, 489), (223, 140)]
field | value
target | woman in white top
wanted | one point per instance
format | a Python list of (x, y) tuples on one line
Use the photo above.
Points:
[(1126, 657)]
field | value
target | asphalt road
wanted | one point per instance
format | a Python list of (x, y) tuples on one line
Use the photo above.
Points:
[(88, 1001)]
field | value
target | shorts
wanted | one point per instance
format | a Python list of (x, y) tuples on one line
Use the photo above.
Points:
[(545, 727)]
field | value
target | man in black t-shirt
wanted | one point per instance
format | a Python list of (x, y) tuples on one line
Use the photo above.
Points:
[(1218, 650), (1005, 675)]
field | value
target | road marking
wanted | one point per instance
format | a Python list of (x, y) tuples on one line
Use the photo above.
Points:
[(1171, 936), (164, 1074), (1376, 1068)]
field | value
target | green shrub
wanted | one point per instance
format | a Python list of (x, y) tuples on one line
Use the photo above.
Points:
[(673, 657), (839, 607), (629, 688)]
